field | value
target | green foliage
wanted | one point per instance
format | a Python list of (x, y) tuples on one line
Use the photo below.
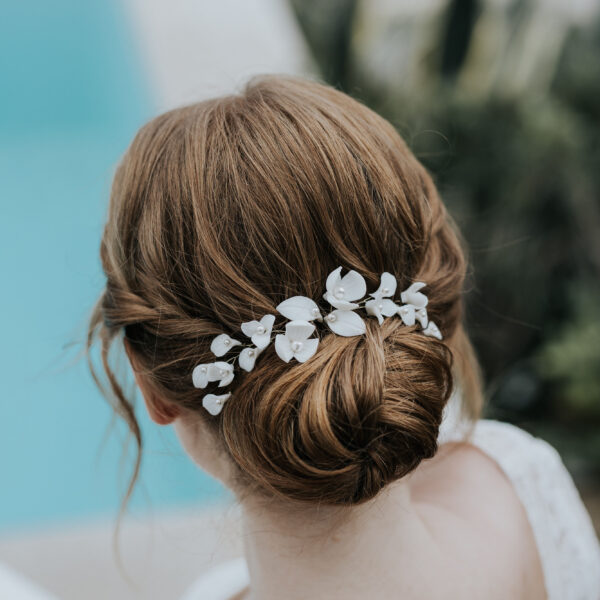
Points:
[(572, 356), (519, 170)]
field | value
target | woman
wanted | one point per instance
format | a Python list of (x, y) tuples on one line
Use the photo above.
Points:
[(290, 288)]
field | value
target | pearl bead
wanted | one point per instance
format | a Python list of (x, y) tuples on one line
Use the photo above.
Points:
[(380, 306), (222, 372), (339, 293), (251, 353), (385, 291), (202, 369), (218, 401), (296, 346), (331, 318), (260, 329), (226, 341), (316, 312)]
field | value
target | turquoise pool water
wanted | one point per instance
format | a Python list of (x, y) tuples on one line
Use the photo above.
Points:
[(73, 93)]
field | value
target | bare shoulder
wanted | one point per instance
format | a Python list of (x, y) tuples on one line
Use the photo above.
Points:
[(474, 507)]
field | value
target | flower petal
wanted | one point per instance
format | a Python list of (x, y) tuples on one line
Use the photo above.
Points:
[(340, 304), (354, 285), (200, 375), (226, 380), (299, 308), (262, 340), (389, 307), (249, 328), (372, 308), (346, 323), (432, 330), (213, 403), (298, 330), (222, 372), (247, 358), (333, 279), (411, 295), (407, 314), (222, 344), (283, 348), (267, 322), (388, 282), (309, 347), (422, 317)]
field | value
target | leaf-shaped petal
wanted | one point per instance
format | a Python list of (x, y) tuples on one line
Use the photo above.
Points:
[(262, 336), (373, 308), (432, 330), (218, 370), (283, 347), (389, 307), (249, 328), (387, 287), (200, 375), (309, 347), (345, 322), (412, 295), (340, 304), (226, 380), (421, 316), (259, 331), (333, 279), (222, 344), (299, 308), (407, 314), (298, 330), (354, 285), (213, 403), (247, 358), (222, 372)]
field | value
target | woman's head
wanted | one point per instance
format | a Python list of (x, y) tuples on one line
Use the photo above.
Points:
[(221, 210)]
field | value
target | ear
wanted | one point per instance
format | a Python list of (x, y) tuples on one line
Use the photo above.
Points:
[(160, 411)]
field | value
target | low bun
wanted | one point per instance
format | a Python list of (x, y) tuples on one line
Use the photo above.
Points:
[(363, 412)]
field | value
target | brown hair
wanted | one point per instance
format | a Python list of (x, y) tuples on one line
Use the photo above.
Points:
[(221, 210)]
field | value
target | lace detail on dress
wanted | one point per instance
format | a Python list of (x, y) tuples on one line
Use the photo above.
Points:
[(563, 531)]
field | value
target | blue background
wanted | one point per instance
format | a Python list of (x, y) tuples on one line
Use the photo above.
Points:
[(73, 95)]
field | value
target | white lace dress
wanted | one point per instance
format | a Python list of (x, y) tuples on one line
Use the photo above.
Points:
[(564, 535)]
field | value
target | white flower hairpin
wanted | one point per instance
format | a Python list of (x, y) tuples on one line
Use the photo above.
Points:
[(345, 294)]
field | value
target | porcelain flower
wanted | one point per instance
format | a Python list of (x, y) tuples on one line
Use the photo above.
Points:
[(432, 330), (259, 331), (413, 296), (381, 305), (300, 308), (342, 291), (409, 315), (219, 371), (295, 343), (223, 344), (345, 323), (213, 403), (247, 358)]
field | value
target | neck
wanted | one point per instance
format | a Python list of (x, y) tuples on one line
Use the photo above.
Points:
[(307, 552)]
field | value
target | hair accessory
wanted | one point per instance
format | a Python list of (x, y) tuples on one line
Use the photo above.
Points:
[(345, 294)]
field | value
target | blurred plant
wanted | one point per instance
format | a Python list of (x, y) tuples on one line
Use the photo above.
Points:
[(499, 99)]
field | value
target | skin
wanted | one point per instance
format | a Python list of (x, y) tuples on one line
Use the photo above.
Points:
[(454, 528)]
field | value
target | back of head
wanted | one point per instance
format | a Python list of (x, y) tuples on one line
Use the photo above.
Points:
[(223, 209)]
